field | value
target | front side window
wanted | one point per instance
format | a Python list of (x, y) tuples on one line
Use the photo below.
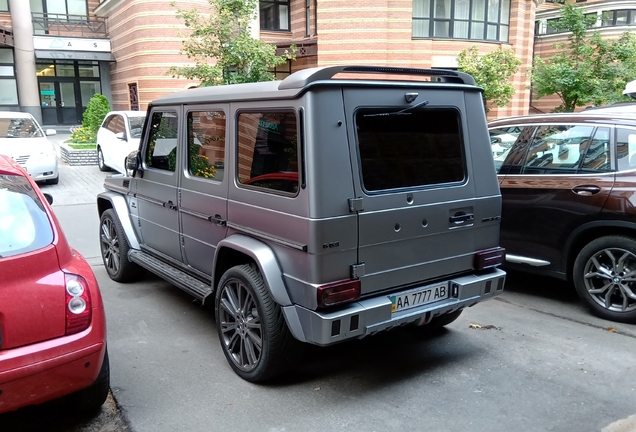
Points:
[(116, 124), (161, 152), (274, 14), (422, 148), (268, 150), (206, 144), (24, 224), (461, 19)]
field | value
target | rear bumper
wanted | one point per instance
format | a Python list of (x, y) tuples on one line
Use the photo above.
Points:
[(372, 315), (47, 370)]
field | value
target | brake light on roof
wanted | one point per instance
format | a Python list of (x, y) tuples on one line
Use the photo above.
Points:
[(489, 258), (339, 292), (78, 304)]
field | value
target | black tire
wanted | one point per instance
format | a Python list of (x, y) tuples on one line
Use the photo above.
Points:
[(93, 397), (100, 160), (245, 314), (114, 248), (604, 276), (443, 320), (54, 181)]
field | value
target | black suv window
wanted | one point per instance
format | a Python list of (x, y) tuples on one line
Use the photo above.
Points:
[(206, 144), (268, 150), (415, 148), (24, 224), (162, 148)]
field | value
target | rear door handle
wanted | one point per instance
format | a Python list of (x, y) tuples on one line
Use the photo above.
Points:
[(461, 217), (170, 205), (219, 220), (586, 190)]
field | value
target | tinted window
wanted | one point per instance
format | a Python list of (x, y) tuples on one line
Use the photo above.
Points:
[(597, 158), (116, 124), (268, 146), (626, 148), (206, 144), (24, 224), (162, 148), (513, 158), (557, 149), (136, 125), (501, 141), (419, 148)]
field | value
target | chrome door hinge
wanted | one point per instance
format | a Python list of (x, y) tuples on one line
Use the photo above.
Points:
[(356, 205), (357, 270)]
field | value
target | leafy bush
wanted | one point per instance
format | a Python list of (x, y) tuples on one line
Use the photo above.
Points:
[(82, 135), (96, 110)]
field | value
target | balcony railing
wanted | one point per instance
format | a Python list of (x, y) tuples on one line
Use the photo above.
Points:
[(69, 25)]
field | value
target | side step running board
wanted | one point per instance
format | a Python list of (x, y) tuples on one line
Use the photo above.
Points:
[(183, 280)]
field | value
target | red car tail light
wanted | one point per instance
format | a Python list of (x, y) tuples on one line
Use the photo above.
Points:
[(78, 304), (489, 258), (339, 292)]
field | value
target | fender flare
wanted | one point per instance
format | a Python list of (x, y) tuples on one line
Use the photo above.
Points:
[(120, 207), (266, 261)]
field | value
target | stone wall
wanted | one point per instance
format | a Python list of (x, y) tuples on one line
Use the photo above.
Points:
[(78, 157)]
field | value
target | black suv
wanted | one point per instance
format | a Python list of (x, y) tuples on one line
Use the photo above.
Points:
[(568, 184)]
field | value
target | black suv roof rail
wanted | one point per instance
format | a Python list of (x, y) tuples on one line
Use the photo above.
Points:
[(305, 77)]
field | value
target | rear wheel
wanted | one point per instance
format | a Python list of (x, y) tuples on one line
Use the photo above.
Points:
[(100, 160), (54, 181), (605, 277), (252, 330), (93, 397), (114, 248)]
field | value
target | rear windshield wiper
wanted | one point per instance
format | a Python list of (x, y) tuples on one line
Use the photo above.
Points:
[(401, 112)]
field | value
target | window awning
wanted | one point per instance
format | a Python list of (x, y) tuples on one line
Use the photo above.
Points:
[(74, 55)]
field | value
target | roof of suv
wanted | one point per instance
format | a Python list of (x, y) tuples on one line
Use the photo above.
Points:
[(298, 82), (578, 117)]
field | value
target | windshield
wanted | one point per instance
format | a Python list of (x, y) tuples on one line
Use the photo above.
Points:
[(24, 224), (136, 125), (19, 128)]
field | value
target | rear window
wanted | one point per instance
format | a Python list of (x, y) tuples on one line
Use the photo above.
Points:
[(418, 148), (24, 224)]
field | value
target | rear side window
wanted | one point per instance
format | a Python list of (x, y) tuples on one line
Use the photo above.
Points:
[(597, 158), (419, 148), (268, 150), (206, 144), (626, 148), (557, 149), (24, 224)]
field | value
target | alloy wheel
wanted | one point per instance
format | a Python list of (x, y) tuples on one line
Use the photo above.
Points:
[(110, 246), (610, 279), (240, 325)]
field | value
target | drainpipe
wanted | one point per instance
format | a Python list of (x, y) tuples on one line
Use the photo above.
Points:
[(28, 90)]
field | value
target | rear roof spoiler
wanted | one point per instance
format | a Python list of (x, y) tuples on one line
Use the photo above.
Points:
[(305, 77)]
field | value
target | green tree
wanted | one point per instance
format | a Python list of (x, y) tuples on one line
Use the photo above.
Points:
[(225, 37), (587, 68), (492, 72)]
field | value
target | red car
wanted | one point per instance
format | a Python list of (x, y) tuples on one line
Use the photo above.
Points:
[(52, 321)]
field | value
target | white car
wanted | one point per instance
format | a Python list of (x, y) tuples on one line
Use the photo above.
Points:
[(118, 135), (22, 139)]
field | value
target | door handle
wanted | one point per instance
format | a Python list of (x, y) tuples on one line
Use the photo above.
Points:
[(461, 217), (586, 190), (170, 205), (219, 220)]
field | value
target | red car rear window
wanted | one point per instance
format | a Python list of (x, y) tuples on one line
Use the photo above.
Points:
[(24, 224)]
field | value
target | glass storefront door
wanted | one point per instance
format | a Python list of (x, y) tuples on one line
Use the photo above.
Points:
[(59, 102)]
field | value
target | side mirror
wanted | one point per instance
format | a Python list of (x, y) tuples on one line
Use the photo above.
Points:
[(49, 198), (132, 163), (121, 136), (50, 132)]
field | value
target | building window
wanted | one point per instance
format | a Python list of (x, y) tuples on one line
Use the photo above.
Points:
[(618, 18), (461, 19), (307, 17), (8, 84), (60, 7), (274, 14), (133, 96), (4, 5), (282, 71)]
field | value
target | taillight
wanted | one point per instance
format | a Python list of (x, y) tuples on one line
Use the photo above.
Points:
[(489, 258), (339, 292), (78, 304)]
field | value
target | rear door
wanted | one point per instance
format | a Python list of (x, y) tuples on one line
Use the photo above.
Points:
[(416, 198), (555, 178)]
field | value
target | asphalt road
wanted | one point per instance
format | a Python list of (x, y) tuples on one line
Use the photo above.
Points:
[(531, 360)]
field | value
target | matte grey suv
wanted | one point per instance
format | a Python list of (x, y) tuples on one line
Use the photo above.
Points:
[(316, 209)]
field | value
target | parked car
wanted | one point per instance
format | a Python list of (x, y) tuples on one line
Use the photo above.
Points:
[(52, 321), (314, 209), (22, 138), (620, 108), (568, 185), (118, 136)]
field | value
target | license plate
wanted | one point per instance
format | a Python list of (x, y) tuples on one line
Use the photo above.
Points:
[(419, 297)]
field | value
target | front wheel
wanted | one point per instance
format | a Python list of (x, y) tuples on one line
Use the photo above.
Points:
[(252, 330), (100, 160), (114, 248), (605, 277)]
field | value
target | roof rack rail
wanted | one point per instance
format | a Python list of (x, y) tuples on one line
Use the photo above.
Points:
[(306, 76)]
